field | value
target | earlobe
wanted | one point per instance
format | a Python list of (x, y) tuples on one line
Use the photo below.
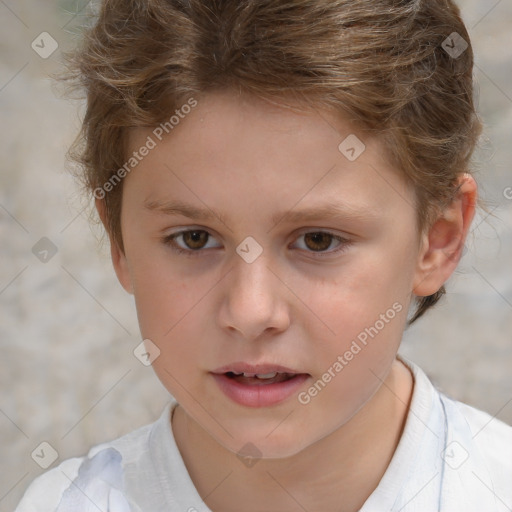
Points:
[(443, 244), (119, 260)]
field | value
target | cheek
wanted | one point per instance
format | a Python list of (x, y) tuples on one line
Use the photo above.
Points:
[(167, 310), (174, 312), (353, 360), (362, 313), (162, 296), (366, 286), (368, 314)]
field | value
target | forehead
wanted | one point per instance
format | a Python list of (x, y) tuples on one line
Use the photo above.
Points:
[(239, 145)]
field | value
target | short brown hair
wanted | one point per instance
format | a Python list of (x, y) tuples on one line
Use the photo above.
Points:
[(382, 63)]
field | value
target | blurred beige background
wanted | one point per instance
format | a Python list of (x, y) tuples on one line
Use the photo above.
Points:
[(68, 375)]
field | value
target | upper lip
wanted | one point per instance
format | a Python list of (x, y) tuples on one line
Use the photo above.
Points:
[(241, 367)]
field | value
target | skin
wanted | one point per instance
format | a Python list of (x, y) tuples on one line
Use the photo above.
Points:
[(298, 304)]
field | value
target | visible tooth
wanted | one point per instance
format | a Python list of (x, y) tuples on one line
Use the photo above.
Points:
[(259, 375), (266, 375)]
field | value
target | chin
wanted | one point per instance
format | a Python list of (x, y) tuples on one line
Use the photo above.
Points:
[(266, 443), (267, 450)]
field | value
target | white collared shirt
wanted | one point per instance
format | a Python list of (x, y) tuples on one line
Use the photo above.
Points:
[(451, 457)]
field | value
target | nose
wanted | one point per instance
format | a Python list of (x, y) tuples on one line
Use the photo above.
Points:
[(254, 299)]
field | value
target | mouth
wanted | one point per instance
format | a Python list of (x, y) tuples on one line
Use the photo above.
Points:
[(258, 374), (259, 385), (261, 379)]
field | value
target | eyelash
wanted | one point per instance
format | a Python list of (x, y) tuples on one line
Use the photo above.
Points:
[(169, 240)]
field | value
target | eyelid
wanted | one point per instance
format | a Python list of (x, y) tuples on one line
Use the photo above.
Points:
[(169, 240), (344, 241)]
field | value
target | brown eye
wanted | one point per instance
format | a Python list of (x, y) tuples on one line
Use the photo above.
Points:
[(195, 239), (189, 242), (318, 241)]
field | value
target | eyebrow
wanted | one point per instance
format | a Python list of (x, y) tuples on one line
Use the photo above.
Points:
[(327, 210)]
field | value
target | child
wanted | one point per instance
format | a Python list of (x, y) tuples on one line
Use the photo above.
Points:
[(225, 143)]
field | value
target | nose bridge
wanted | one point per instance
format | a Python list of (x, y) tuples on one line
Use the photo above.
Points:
[(253, 282), (253, 298)]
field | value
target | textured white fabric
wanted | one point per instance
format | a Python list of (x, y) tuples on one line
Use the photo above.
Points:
[(98, 486), (451, 458)]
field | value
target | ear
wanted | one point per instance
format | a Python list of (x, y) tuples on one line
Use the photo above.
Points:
[(119, 259), (444, 242)]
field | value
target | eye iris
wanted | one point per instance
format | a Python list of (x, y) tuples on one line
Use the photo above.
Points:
[(317, 238), (195, 237)]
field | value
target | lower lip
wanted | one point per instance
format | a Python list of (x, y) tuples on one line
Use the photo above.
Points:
[(258, 395)]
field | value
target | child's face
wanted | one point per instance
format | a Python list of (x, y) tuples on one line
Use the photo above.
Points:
[(302, 302)]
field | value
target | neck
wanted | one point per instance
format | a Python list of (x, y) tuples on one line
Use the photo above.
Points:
[(338, 472)]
